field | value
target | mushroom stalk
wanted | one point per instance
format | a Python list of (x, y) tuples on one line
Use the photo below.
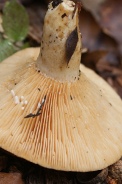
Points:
[(60, 52)]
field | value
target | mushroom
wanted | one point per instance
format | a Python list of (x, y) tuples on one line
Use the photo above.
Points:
[(53, 111)]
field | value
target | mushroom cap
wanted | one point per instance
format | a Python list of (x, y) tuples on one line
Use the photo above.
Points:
[(77, 128)]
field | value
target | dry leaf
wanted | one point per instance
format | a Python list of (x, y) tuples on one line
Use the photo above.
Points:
[(115, 171), (10, 178), (36, 16), (109, 180), (108, 14), (90, 59)]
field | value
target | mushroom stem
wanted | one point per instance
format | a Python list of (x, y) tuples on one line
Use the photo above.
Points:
[(60, 52)]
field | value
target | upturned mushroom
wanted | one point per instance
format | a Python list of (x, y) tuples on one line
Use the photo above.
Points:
[(53, 111)]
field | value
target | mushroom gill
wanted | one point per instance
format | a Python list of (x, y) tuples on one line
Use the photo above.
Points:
[(53, 111)]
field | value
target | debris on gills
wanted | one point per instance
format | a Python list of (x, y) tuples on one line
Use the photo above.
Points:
[(39, 107), (19, 100)]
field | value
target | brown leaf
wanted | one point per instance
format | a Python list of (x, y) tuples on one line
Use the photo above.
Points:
[(115, 71), (108, 14), (115, 171), (10, 178), (119, 80), (36, 16), (109, 180), (90, 59), (112, 74), (94, 39)]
